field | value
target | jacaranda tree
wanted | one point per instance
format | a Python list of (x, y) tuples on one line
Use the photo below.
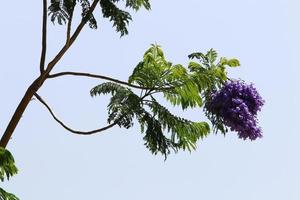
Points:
[(228, 103)]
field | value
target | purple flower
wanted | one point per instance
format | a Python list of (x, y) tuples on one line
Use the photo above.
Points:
[(237, 104)]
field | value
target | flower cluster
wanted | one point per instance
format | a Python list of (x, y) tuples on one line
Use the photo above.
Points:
[(237, 104)]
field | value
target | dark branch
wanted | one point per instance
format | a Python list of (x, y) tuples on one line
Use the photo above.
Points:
[(105, 78), (68, 128), (44, 37), (95, 76)]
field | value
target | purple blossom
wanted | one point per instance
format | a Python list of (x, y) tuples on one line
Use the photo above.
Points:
[(237, 104)]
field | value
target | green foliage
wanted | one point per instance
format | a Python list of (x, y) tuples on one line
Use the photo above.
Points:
[(137, 4), (119, 17), (7, 169), (185, 87), (231, 62), (208, 74), (186, 95), (184, 131), (152, 72), (7, 196), (7, 164), (62, 10), (174, 81), (125, 105), (58, 12)]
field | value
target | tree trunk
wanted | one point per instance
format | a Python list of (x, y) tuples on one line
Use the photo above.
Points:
[(19, 111)]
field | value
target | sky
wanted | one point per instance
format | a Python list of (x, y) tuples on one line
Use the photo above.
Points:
[(55, 164)]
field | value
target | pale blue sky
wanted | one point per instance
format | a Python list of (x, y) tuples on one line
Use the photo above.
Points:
[(54, 164)]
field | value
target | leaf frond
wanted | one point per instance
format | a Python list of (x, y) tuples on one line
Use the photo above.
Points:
[(7, 196), (7, 164), (60, 11), (120, 18), (184, 132)]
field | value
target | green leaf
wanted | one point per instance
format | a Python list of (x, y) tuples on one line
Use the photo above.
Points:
[(207, 59), (120, 18), (185, 133), (211, 55), (7, 164), (137, 4), (124, 106), (233, 62), (61, 11), (58, 12), (7, 169), (186, 95), (198, 55), (153, 70), (123, 103), (7, 196), (194, 66), (107, 88), (154, 138)]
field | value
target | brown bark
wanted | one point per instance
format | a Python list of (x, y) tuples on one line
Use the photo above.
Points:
[(19, 112)]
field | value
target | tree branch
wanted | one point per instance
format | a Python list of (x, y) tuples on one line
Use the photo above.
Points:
[(69, 26), (105, 78), (68, 128), (44, 37), (38, 83), (94, 76)]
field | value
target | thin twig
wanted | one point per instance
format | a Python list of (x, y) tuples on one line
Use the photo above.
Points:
[(68, 128), (44, 37), (105, 78), (147, 93)]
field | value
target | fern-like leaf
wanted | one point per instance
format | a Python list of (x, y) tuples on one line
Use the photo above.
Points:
[(154, 71), (7, 164), (184, 132), (123, 106), (120, 18), (186, 95), (137, 4), (154, 138), (60, 11), (7, 196), (7, 169)]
